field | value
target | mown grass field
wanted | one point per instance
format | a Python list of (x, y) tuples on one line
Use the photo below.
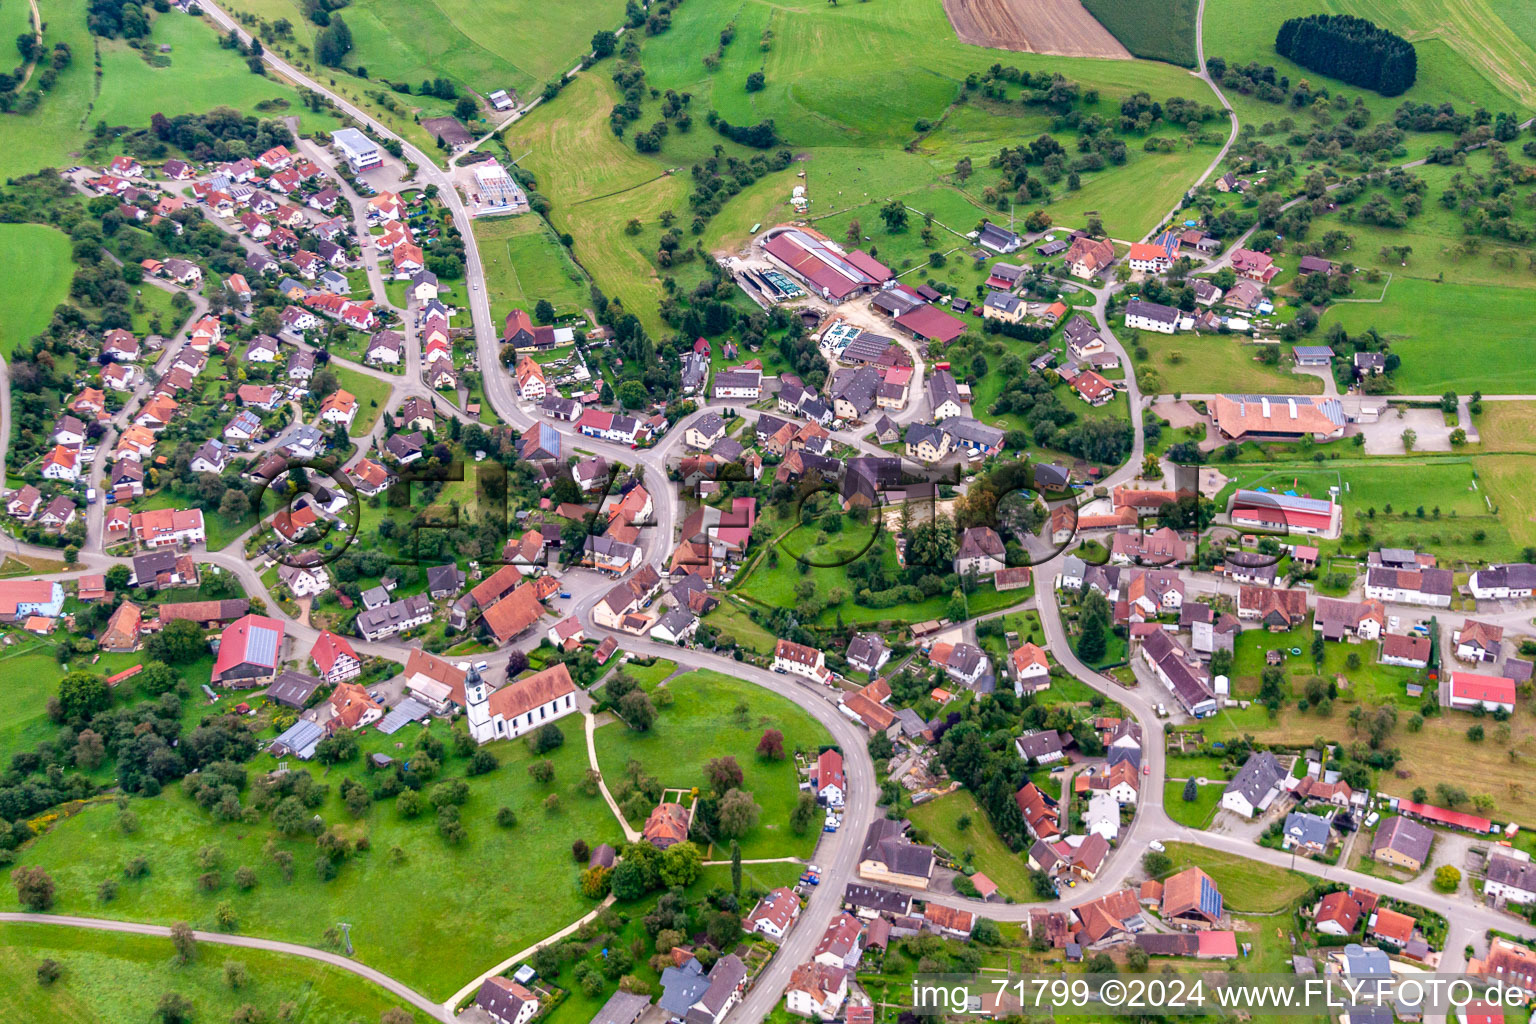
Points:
[(990, 855), (45, 252), (200, 74), (1508, 426), (1245, 884), (1447, 71), (525, 262), (702, 724), (500, 44), (1155, 32), (1208, 363), (479, 901), (112, 977)]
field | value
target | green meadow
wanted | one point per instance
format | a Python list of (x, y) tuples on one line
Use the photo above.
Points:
[(45, 252), (114, 977)]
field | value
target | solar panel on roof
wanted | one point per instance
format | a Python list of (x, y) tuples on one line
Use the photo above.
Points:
[(261, 646), (407, 711)]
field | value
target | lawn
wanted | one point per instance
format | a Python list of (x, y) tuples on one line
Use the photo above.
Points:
[(525, 262), (990, 855), (1197, 814), (702, 723), (1163, 32), (115, 977), (1246, 885), (156, 303), (479, 907), (1450, 337), (45, 252), (650, 675), (1207, 363), (371, 394)]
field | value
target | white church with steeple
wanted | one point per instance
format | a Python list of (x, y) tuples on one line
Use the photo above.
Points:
[(518, 707)]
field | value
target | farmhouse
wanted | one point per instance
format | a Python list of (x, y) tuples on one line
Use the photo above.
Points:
[(250, 652), (1402, 842), (1514, 580), (1425, 586), (1087, 257)]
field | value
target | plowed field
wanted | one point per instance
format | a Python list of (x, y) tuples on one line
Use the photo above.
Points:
[(1060, 27)]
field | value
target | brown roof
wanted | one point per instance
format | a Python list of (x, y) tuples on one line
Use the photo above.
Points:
[(1181, 893), (205, 611), (1339, 907), (949, 918), (1267, 601), (522, 696), (875, 716), (514, 613), (419, 662), (668, 823), (1414, 648), (1483, 634), (495, 586)]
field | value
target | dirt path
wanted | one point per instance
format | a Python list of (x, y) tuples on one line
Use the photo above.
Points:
[(37, 28)]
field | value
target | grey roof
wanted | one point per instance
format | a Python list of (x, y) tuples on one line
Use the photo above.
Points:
[(886, 843), (444, 578), (874, 897), (621, 1008), (973, 432), (676, 621), (912, 723), (1039, 744), (1307, 828), (1366, 960), (407, 711), (1074, 567), (1518, 874), (1005, 301), (1152, 311), (299, 739), (1405, 836), (942, 388), (917, 433), (681, 987), (865, 649), (293, 689), (1259, 774), (995, 237)]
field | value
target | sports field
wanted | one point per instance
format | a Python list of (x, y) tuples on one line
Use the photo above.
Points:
[(44, 251), (524, 262)]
